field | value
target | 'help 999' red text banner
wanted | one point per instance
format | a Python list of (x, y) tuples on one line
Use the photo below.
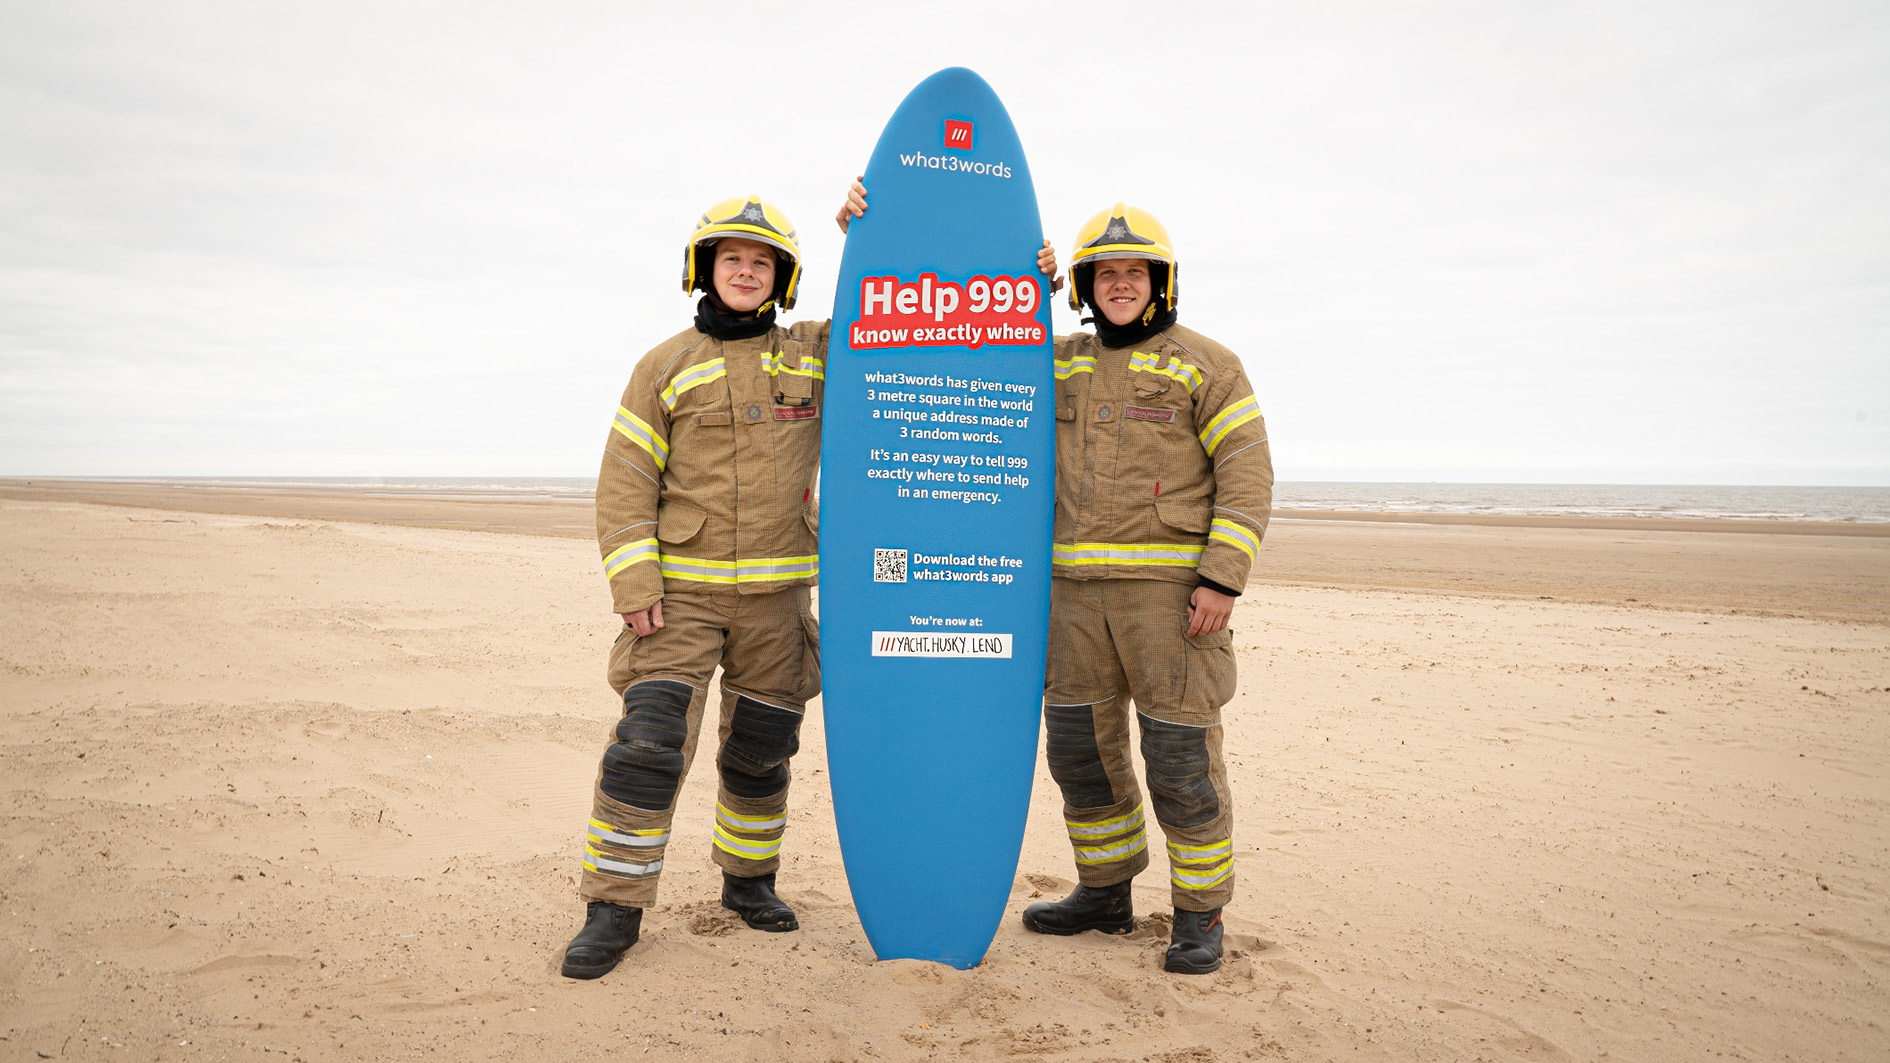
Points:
[(927, 313)]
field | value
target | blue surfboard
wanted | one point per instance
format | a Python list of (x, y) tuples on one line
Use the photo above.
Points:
[(936, 503)]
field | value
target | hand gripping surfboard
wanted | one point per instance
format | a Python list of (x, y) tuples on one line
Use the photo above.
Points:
[(936, 498)]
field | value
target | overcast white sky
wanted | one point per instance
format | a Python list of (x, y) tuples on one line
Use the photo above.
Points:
[(1589, 242)]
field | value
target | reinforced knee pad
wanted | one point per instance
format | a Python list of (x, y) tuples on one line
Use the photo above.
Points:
[(1075, 762), (644, 766), (761, 738), (1175, 757)]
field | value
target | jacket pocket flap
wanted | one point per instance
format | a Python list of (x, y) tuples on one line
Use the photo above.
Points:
[(1150, 384), (717, 417), (1184, 514), (678, 524), (794, 388)]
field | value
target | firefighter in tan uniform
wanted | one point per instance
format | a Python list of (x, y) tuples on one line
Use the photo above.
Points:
[(706, 524), (1164, 485)]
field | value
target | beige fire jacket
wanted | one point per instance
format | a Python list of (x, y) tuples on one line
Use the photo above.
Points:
[(1163, 470), (708, 474)]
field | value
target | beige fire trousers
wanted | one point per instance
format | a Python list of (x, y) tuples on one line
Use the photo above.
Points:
[(1113, 641), (769, 650)]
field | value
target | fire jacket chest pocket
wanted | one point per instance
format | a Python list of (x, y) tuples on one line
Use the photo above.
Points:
[(1150, 386), (1158, 415), (1153, 400), (714, 418), (794, 397), (793, 389)]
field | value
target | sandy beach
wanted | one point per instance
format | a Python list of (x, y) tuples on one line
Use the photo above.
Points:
[(301, 775)]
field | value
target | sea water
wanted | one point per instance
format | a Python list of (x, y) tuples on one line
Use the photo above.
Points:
[(1856, 505), (1853, 505)]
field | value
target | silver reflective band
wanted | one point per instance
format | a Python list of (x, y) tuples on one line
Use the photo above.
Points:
[(751, 824), (1200, 880), (1105, 827), (1226, 421), (605, 865), (638, 431), (1229, 532), (753, 850), (741, 570), (1174, 368), (692, 377), (1082, 363), (1124, 554), (1200, 854), (629, 554), (1109, 854)]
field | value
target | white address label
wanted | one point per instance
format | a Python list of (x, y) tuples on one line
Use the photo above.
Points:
[(935, 644)]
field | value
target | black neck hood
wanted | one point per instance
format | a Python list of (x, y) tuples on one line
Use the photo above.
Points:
[(1114, 336), (713, 319)]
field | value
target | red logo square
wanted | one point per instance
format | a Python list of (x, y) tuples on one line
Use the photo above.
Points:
[(957, 134)]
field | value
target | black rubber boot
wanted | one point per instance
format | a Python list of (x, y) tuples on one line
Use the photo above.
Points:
[(609, 930), (1104, 908), (753, 899), (1194, 947)]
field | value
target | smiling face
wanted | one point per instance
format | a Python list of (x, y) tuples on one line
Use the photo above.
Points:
[(1121, 289), (744, 273)]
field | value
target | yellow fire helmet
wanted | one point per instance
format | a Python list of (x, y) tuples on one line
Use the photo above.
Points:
[(1123, 231), (750, 219)]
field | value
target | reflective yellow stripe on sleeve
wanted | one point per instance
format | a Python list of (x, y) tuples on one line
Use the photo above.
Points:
[(1124, 554), (638, 431), (693, 377), (629, 554), (740, 570), (1227, 420), (1229, 532)]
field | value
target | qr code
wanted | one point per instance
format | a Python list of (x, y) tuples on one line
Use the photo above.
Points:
[(889, 566)]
